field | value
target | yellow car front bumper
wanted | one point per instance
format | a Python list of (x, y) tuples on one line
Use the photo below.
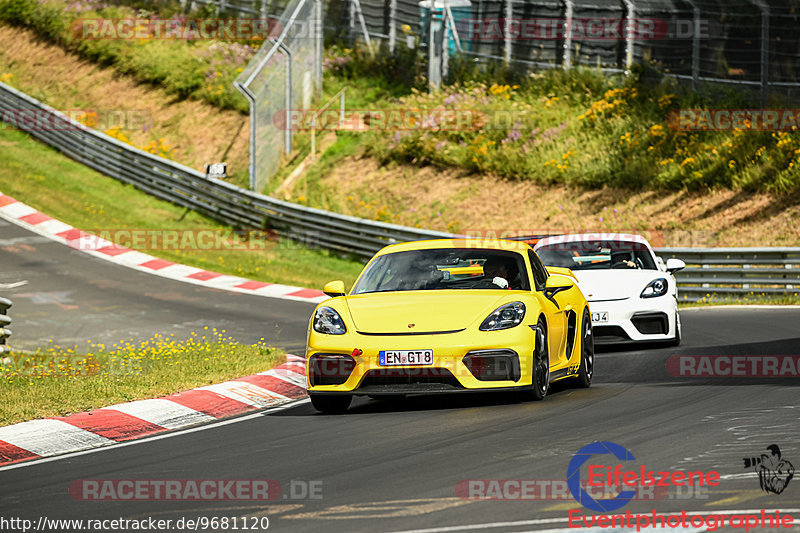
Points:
[(350, 363)]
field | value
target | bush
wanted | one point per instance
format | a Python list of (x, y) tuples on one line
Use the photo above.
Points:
[(583, 128)]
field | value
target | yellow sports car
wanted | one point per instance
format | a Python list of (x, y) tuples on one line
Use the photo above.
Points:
[(449, 315)]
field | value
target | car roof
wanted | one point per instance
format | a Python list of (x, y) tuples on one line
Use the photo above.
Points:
[(457, 242), (578, 237)]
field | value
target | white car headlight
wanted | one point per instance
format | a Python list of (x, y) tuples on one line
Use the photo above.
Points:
[(657, 287), (504, 317), (328, 321)]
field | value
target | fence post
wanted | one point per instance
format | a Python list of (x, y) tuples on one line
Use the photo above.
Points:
[(5, 320), (435, 47), (392, 25), (569, 10), (445, 38), (509, 14), (630, 32), (320, 38), (451, 27), (764, 7), (288, 113), (696, 46), (357, 12), (314, 137), (252, 101), (352, 21)]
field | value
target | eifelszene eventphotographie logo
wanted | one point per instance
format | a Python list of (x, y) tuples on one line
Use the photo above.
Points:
[(628, 480)]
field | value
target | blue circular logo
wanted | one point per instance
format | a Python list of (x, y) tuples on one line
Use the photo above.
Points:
[(574, 476)]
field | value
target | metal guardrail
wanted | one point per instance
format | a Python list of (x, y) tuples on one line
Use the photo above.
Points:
[(735, 273), (190, 188), (717, 273), (5, 321)]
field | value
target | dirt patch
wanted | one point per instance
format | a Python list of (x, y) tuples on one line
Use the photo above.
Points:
[(195, 132), (451, 200)]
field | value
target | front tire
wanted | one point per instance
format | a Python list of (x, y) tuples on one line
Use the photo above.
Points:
[(540, 378), (331, 404), (586, 370)]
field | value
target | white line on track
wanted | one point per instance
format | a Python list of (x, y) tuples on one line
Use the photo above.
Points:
[(116, 446)]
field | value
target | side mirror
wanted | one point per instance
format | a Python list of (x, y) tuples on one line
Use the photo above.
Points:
[(557, 283), (673, 265), (334, 288)]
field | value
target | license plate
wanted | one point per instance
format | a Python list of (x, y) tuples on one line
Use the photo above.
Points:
[(405, 357), (600, 317)]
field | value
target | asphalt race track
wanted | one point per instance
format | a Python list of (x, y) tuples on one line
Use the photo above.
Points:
[(394, 466), (71, 297)]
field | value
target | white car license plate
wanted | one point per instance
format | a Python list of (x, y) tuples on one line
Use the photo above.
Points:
[(600, 317), (405, 357)]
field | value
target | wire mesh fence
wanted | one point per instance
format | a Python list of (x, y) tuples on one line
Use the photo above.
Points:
[(281, 80), (746, 42), (752, 44)]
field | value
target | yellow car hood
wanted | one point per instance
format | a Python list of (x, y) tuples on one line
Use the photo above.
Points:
[(409, 312)]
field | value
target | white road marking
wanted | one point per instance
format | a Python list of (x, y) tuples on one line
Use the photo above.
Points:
[(156, 437), (48, 437), (247, 393), (163, 413), (291, 376), (14, 285)]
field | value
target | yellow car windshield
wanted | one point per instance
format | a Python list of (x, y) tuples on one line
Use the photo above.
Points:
[(446, 268)]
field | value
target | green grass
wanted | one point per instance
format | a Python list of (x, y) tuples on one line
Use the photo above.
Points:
[(363, 91), (589, 130), (577, 127), (59, 381), (47, 180), (754, 298)]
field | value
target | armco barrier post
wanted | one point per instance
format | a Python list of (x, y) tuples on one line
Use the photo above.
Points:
[(5, 320), (569, 8), (630, 21)]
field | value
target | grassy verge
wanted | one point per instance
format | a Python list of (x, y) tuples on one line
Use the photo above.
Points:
[(202, 69), (364, 88), (577, 127), (753, 298), (59, 381), (69, 191), (590, 130)]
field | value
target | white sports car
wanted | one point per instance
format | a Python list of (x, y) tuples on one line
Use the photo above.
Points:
[(631, 292)]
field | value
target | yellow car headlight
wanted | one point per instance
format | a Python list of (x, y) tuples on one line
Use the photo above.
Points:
[(504, 317), (328, 321)]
